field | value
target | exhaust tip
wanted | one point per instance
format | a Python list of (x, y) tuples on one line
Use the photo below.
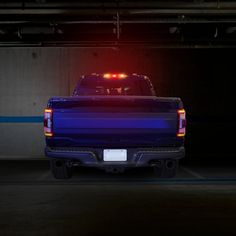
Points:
[(170, 164)]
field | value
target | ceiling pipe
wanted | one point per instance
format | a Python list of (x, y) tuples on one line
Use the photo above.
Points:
[(118, 4), (9, 13), (116, 46), (114, 4), (121, 22)]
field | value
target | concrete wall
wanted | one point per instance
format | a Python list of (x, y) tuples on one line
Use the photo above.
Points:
[(29, 76)]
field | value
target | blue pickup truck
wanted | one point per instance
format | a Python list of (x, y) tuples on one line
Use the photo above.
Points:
[(114, 122)]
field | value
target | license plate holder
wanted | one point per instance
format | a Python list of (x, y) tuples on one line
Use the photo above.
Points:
[(115, 154)]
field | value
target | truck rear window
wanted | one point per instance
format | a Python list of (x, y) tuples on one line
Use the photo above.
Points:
[(100, 86)]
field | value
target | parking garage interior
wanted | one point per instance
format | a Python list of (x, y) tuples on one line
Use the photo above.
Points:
[(186, 48)]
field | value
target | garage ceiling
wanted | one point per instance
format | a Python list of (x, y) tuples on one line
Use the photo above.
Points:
[(118, 23)]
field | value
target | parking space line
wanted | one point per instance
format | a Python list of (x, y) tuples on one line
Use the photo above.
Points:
[(95, 182), (193, 173)]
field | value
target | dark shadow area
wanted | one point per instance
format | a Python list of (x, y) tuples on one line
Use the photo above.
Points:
[(97, 203), (38, 172)]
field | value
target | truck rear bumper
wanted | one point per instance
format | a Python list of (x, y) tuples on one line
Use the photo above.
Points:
[(136, 157)]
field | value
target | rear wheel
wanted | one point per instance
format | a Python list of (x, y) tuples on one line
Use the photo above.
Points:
[(61, 169), (166, 169)]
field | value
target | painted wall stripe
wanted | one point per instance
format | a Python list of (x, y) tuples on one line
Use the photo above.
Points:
[(39, 119), (21, 119)]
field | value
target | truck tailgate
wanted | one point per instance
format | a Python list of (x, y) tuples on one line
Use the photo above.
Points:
[(68, 122), (117, 122)]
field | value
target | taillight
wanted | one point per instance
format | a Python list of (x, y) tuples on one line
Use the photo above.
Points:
[(48, 122), (181, 123)]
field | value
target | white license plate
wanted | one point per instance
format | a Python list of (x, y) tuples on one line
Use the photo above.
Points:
[(115, 155)]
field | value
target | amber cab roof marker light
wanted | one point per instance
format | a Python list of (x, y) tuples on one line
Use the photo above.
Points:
[(114, 76)]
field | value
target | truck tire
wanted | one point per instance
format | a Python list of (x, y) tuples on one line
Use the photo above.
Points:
[(167, 170), (60, 169)]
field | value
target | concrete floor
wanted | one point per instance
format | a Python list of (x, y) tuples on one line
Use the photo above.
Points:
[(200, 200)]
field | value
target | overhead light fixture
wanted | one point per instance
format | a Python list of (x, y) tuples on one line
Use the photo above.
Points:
[(230, 30), (37, 30), (174, 30)]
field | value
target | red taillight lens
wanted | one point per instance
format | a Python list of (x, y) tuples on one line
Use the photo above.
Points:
[(181, 123), (48, 122)]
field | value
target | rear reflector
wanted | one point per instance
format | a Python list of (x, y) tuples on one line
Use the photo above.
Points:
[(48, 122), (181, 123)]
